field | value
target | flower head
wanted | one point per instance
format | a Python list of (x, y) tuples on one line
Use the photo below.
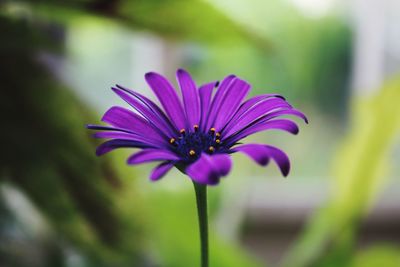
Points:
[(197, 133)]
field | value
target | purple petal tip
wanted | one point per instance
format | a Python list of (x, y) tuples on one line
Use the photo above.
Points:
[(181, 71), (120, 87), (149, 75), (91, 126), (285, 170)]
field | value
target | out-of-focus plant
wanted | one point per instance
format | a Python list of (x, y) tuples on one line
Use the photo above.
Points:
[(191, 20), (45, 154), (360, 173), (381, 255), (180, 222), (278, 46), (305, 53)]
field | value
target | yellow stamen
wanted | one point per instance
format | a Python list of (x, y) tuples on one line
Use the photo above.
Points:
[(211, 149), (182, 131), (172, 140), (192, 152), (217, 135), (212, 130), (196, 127), (217, 141)]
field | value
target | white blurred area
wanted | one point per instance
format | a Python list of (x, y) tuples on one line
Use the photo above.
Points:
[(130, 55), (377, 43), (314, 8), (376, 27)]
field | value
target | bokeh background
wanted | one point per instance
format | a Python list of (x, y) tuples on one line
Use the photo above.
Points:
[(336, 60)]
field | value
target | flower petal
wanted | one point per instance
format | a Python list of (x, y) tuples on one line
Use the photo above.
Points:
[(283, 124), (283, 112), (168, 98), (118, 143), (126, 119), (262, 153), (123, 134), (209, 169), (222, 163), (245, 106), (158, 172), (150, 104), (149, 155), (190, 96), (107, 128), (258, 124), (238, 90), (255, 152), (218, 98), (158, 121), (126, 136), (256, 111), (205, 92)]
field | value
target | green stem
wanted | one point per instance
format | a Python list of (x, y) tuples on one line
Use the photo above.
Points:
[(201, 199)]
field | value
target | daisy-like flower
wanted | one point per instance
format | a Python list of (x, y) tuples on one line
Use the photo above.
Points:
[(198, 132)]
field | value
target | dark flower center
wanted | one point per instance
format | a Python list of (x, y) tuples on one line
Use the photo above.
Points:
[(190, 145)]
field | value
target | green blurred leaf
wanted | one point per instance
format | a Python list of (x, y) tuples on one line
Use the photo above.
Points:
[(360, 173), (377, 256), (49, 156), (175, 233), (193, 20)]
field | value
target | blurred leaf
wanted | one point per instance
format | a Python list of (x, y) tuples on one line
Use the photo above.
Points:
[(175, 233), (194, 20), (310, 61), (377, 256), (49, 156), (360, 172)]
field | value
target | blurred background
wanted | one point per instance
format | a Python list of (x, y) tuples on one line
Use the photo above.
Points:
[(336, 60)]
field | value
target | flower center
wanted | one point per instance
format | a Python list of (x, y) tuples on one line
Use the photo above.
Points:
[(190, 145)]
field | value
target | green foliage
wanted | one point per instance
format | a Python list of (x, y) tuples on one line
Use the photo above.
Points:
[(267, 42), (361, 168), (175, 234), (193, 20), (376, 256), (309, 59), (50, 157)]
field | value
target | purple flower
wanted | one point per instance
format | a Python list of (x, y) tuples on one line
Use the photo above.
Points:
[(197, 133)]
